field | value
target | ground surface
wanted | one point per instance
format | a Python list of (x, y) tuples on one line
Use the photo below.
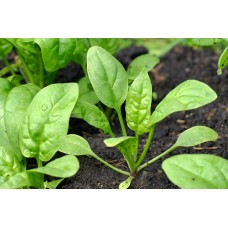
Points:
[(180, 64)]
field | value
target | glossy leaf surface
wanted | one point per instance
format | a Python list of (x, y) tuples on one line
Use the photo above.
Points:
[(197, 171), (190, 94), (63, 167), (92, 115), (46, 121), (138, 103), (107, 76)]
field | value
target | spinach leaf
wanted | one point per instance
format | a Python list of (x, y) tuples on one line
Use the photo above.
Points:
[(199, 171), (5, 47), (190, 94), (107, 76), (138, 103), (146, 61), (56, 52), (63, 167), (223, 61), (92, 115), (15, 108), (46, 120)]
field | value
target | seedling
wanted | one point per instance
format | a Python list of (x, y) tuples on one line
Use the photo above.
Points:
[(110, 83), (33, 124)]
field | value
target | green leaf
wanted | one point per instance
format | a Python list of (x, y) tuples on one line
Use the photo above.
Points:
[(195, 136), (126, 184), (86, 92), (111, 142), (107, 76), (15, 79), (63, 167), (75, 145), (46, 121), (54, 184), (197, 171), (5, 47), (223, 61), (5, 87), (9, 163), (190, 94), (18, 180), (205, 41), (138, 103), (56, 52), (92, 115), (16, 105), (146, 61)]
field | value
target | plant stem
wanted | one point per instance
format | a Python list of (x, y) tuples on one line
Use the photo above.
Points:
[(7, 63), (40, 164), (111, 166), (119, 113), (137, 145), (158, 157), (148, 142)]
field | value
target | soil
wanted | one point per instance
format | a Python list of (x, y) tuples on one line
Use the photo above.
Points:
[(180, 64)]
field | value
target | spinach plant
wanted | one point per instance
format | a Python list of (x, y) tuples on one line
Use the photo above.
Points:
[(110, 83), (33, 124)]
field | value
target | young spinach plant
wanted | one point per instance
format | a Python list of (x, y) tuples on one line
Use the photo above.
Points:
[(110, 83), (33, 124)]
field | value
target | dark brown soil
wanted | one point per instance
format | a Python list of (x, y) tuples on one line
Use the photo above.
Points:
[(180, 64)]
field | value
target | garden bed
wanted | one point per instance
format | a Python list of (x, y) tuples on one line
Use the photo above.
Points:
[(180, 64)]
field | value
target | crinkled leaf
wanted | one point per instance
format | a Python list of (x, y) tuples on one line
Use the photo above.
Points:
[(86, 92), (197, 171), (190, 94), (5, 87), (16, 105), (107, 76), (92, 115), (75, 145), (9, 163), (195, 136), (46, 121), (126, 184), (223, 61), (56, 52), (63, 167), (138, 103), (146, 61)]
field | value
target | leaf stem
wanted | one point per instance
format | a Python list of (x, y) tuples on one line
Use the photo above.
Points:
[(7, 63), (111, 166), (158, 157), (150, 137), (119, 113)]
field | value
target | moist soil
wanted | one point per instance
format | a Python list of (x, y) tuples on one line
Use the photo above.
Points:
[(180, 64)]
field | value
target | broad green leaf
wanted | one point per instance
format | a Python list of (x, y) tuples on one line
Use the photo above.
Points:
[(195, 136), (138, 103), (63, 167), (16, 105), (197, 171), (205, 41), (9, 163), (126, 184), (54, 184), (107, 76), (111, 142), (5, 47), (56, 52), (223, 61), (75, 145), (5, 87), (146, 61), (18, 180), (46, 121), (92, 115), (190, 94), (86, 92)]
